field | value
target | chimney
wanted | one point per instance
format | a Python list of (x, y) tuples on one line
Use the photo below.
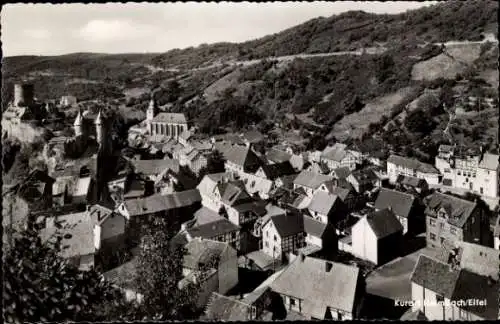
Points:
[(328, 266)]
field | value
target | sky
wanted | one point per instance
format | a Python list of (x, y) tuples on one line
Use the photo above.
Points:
[(48, 29)]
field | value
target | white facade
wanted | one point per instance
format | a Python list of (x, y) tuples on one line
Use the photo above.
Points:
[(271, 241), (393, 171), (364, 241)]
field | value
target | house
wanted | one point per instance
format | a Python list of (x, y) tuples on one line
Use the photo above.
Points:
[(282, 234), (340, 173), (338, 156), (253, 138), (109, 226), (319, 168), (274, 155), (257, 185), (398, 165), (123, 277), (275, 170), (370, 150), (157, 170), (412, 184), (326, 207), (223, 308), (450, 219), (191, 157), (482, 260), (443, 292), (209, 225), (319, 289), (310, 181), (363, 180), (377, 236), (212, 264), (78, 239), (177, 207), (404, 207), (271, 210), (320, 234), (470, 169), (238, 158)]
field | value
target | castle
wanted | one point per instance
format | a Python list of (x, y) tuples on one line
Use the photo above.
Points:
[(24, 107)]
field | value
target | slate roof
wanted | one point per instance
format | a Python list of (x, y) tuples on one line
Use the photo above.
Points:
[(401, 203), (278, 156), (288, 180), (123, 276), (458, 210), (412, 181), (435, 276), (155, 166), (384, 223), (322, 202), (412, 164), (237, 154), (364, 176), (253, 136), (311, 180), (212, 229), (222, 308), (233, 192), (158, 202), (202, 251), (340, 192), (341, 173), (287, 225), (308, 280), (173, 118), (316, 228), (480, 259), (273, 171)]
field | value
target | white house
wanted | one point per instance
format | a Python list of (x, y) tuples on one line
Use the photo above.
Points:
[(434, 285), (337, 156), (281, 234), (398, 165), (310, 181), (377, 236), (470, 169)]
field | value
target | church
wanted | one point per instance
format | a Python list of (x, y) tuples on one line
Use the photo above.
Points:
[(164, 125)]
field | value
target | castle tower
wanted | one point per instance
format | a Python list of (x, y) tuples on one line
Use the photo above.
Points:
[(100, 131), (24, 94), (78, 124)]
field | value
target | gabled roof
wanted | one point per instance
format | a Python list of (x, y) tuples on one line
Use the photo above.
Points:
[(253, 136), (311, 180), (233, 192), (202, 251), (277, 156), (341, 173), (340, 192), (384, 223), (400, 203), (412, 164), (158, 203), (336, 152), (155, 166), (123, 276), (308, 279), (237, 154), (288, 224), (222, 308), (316, 228), (364, 175), (412, 181), (273, 171), (212, 229), (458, 210), (435, 276), (173, 118), (322, 202), (480, 259)]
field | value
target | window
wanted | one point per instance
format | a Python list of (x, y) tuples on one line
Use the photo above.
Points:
[(473, 175), (433, 236), (447, 170), (432, 222), (267, 234), (439, 298), (481, 190), (266, 244), (275, 238), (459, 173), (292, 302)]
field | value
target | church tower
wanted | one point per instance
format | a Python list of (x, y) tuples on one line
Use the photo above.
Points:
[(78, 124), (100, 131), (151, 113)]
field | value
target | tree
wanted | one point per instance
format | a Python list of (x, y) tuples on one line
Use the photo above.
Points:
[(419, 121), (39, 285), (215, 162), (159, 271)]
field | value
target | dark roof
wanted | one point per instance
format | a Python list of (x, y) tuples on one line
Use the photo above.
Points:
[(384, 223), (340, 192), (288, 180), (237, 154), (222, 308), (413, 181), (435, 276), (412, 164), (470, 285), (364, 175), (155, 166), (233, 192), (258, 207), (316, 228), (341, 173), (212, 229), (311, 180), (273, 171), (174, 118), (288, 224), (400, 203), (203, 252), (253, 136), (158, 202), (458, 210)]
